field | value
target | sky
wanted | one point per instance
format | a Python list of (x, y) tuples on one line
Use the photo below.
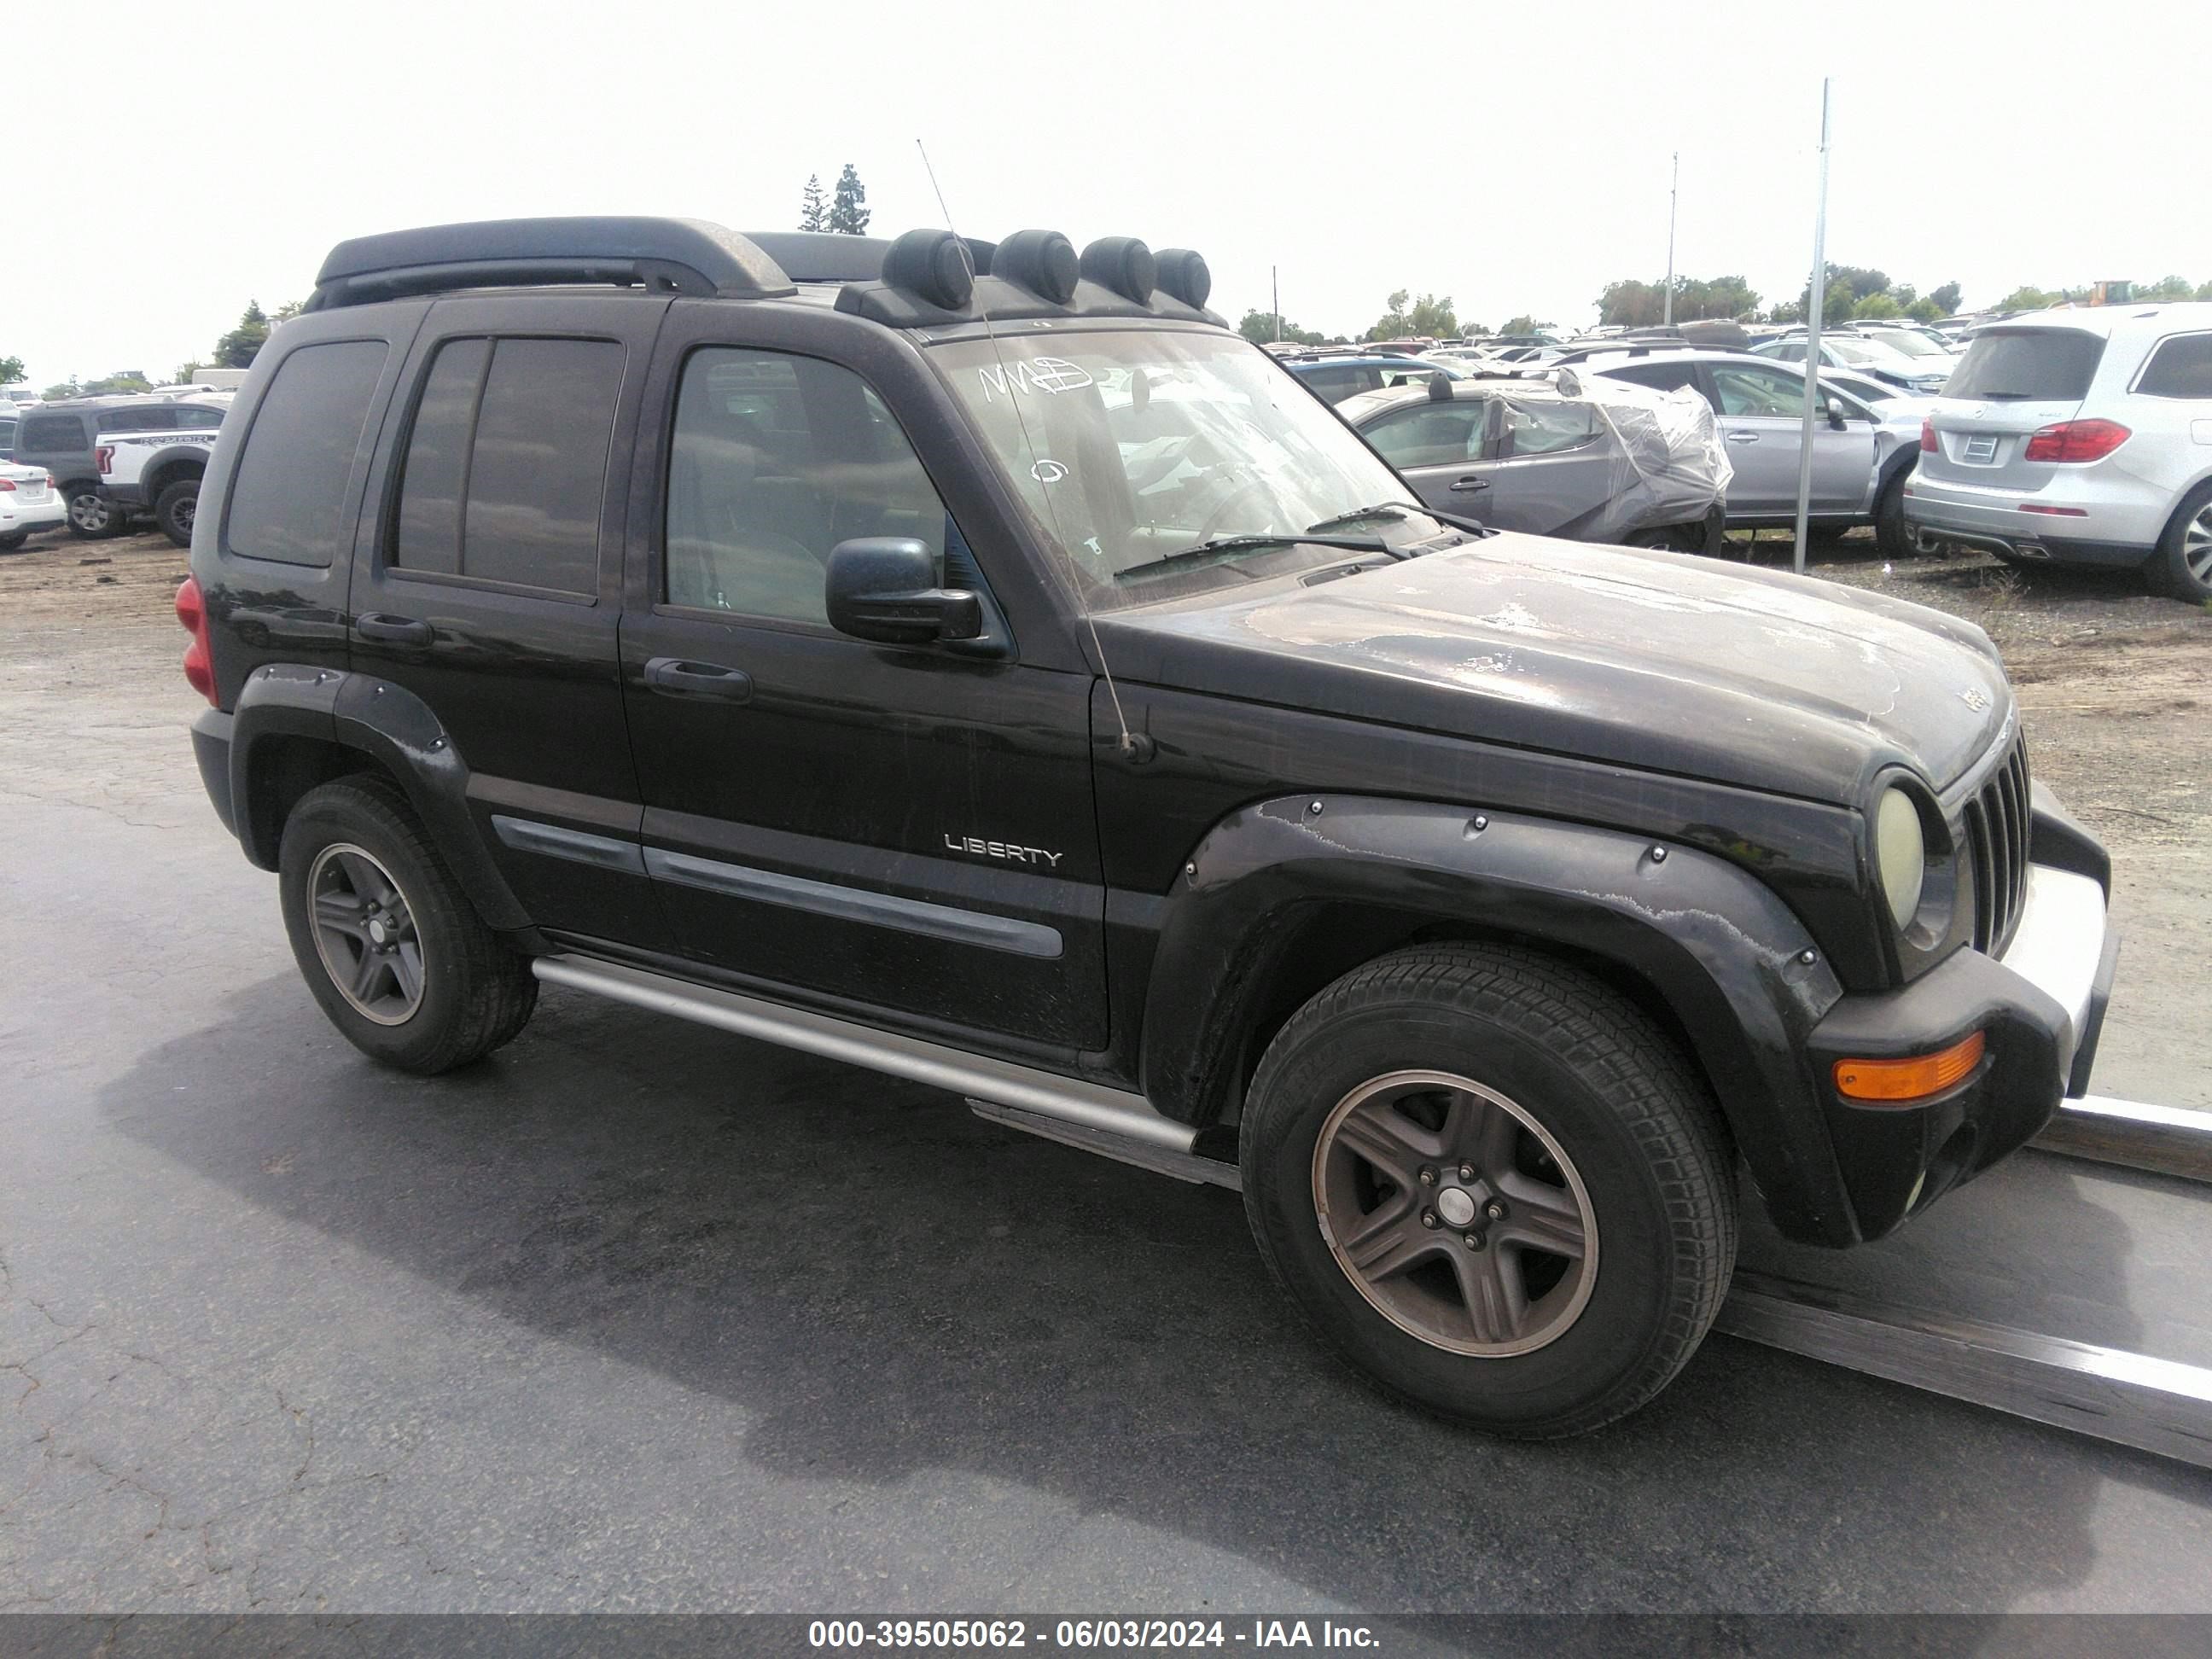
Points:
[(1515, 158)]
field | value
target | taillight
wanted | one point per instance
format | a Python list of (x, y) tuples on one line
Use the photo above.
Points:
[(104, 458), (199, 666), (2074, 440), (1928, 434), (7, 483)]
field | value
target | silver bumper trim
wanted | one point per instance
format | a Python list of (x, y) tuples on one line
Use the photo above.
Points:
[(2060, 942)]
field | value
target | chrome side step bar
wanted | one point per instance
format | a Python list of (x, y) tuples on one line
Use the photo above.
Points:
[(1111, 1119), (1161, 1160), (2162, 1139), (2157, 1405)]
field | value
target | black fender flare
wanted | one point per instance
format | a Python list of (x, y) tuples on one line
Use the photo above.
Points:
[(1740, 973), (167, 465), (385, 723)]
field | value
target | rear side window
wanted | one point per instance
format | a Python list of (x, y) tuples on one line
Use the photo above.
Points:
[(288, 498), (2027, 365), (50, 432), (161, 419), (2180, 367), (1431, 433), (507, 462), (197, 418), (1666, 377)]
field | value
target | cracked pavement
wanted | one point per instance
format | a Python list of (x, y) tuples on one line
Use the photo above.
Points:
[(638, 1316)]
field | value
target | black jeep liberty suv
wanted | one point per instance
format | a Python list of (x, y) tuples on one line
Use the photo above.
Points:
[(976, 662)]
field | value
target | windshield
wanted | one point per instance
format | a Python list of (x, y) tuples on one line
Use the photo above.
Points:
[(1130, 446)]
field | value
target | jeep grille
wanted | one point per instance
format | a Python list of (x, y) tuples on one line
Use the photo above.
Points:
[(1996, 835)]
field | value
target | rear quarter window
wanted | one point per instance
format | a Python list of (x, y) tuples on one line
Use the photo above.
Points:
[(46, 433), (288, 497), (2027, 365), (2181, 367)]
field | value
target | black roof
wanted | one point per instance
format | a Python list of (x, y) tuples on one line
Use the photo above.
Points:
[(693, 257)]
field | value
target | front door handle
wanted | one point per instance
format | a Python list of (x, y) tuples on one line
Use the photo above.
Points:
[(1743, 437), (396, 630), (1464, 486), (674, 676)]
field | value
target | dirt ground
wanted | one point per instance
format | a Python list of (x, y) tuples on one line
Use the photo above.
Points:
[(2115, 687)]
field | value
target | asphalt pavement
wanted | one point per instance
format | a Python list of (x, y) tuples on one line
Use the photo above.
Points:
[(637, 1316)]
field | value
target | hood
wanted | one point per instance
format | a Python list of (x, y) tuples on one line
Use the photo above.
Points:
[(1663, 662)]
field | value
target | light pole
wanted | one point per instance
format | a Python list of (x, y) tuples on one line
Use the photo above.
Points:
[(1673, 190), (1275, 299), (1816, 299)]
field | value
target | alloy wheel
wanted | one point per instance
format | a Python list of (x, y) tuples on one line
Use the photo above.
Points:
[(2197, 547), (365, 933), (1455, 1213), (88, 513)]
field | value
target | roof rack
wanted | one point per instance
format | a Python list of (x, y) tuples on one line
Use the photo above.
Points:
[(669, 256)]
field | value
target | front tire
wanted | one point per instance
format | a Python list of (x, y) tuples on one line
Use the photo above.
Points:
[(176, 509), (1892, 536), (387, 941), (1492, 1185)]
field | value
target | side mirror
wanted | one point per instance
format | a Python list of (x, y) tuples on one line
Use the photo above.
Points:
[(1836, 418), (886, 589)]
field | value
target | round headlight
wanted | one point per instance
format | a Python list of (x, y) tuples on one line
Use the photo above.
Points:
[(1901, 854)]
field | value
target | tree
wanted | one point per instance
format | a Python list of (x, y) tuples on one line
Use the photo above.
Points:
[(1643, 304), (1925, 310), (11, 370), (287, 311), (238, 348), (813, 209), (1427, 315), (1946, 299), (124, 380), (1259, 327), (1877, 307), (1524, 324), (188, 371), (2205, 292), (60, 389), (846, 216), (1863, 279), (2026, 299), (2165, 288)]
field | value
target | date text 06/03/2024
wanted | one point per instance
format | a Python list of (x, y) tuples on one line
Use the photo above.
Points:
[(1083, 1634)]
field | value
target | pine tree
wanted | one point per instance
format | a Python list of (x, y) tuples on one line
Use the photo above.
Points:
[(813, 211), (846, 216)]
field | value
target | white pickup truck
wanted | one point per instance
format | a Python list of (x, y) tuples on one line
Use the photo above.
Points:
[(159, 470)]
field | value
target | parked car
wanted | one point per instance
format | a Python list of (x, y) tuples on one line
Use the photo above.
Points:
[(1608, 462), (63, 439), (28, 503), (2081, 437), (806, 659), (1861, 453), (1890, 402), (1911, 340), (1844, 351), (1334, 378), (158, 471)]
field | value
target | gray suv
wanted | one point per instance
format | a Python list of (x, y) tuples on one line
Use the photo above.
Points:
[(62, 438)]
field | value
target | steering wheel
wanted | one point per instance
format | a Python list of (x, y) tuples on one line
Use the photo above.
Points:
[(1257, 482)]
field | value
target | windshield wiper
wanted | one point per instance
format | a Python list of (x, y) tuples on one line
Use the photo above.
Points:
[(1246, 543), (1385, 510)]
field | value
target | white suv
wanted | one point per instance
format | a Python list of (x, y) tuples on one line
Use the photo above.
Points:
[(2084, 436)]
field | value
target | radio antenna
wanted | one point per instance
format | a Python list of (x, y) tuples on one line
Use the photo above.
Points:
[(1128, 744)]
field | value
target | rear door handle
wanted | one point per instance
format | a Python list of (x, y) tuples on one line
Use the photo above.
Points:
[(673, 677), (1466, 485), (399, 630), (1743, 437)]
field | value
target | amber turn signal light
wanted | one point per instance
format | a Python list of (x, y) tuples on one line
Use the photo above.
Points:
[(1896, 1081)]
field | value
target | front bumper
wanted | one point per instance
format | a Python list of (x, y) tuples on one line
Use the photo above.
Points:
[(2040, 1007)]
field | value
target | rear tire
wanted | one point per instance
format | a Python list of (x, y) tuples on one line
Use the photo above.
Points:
[(176, 509), (92, 516), (1521, 1104), (2182, 567), (387, 941), (1892, 536)]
